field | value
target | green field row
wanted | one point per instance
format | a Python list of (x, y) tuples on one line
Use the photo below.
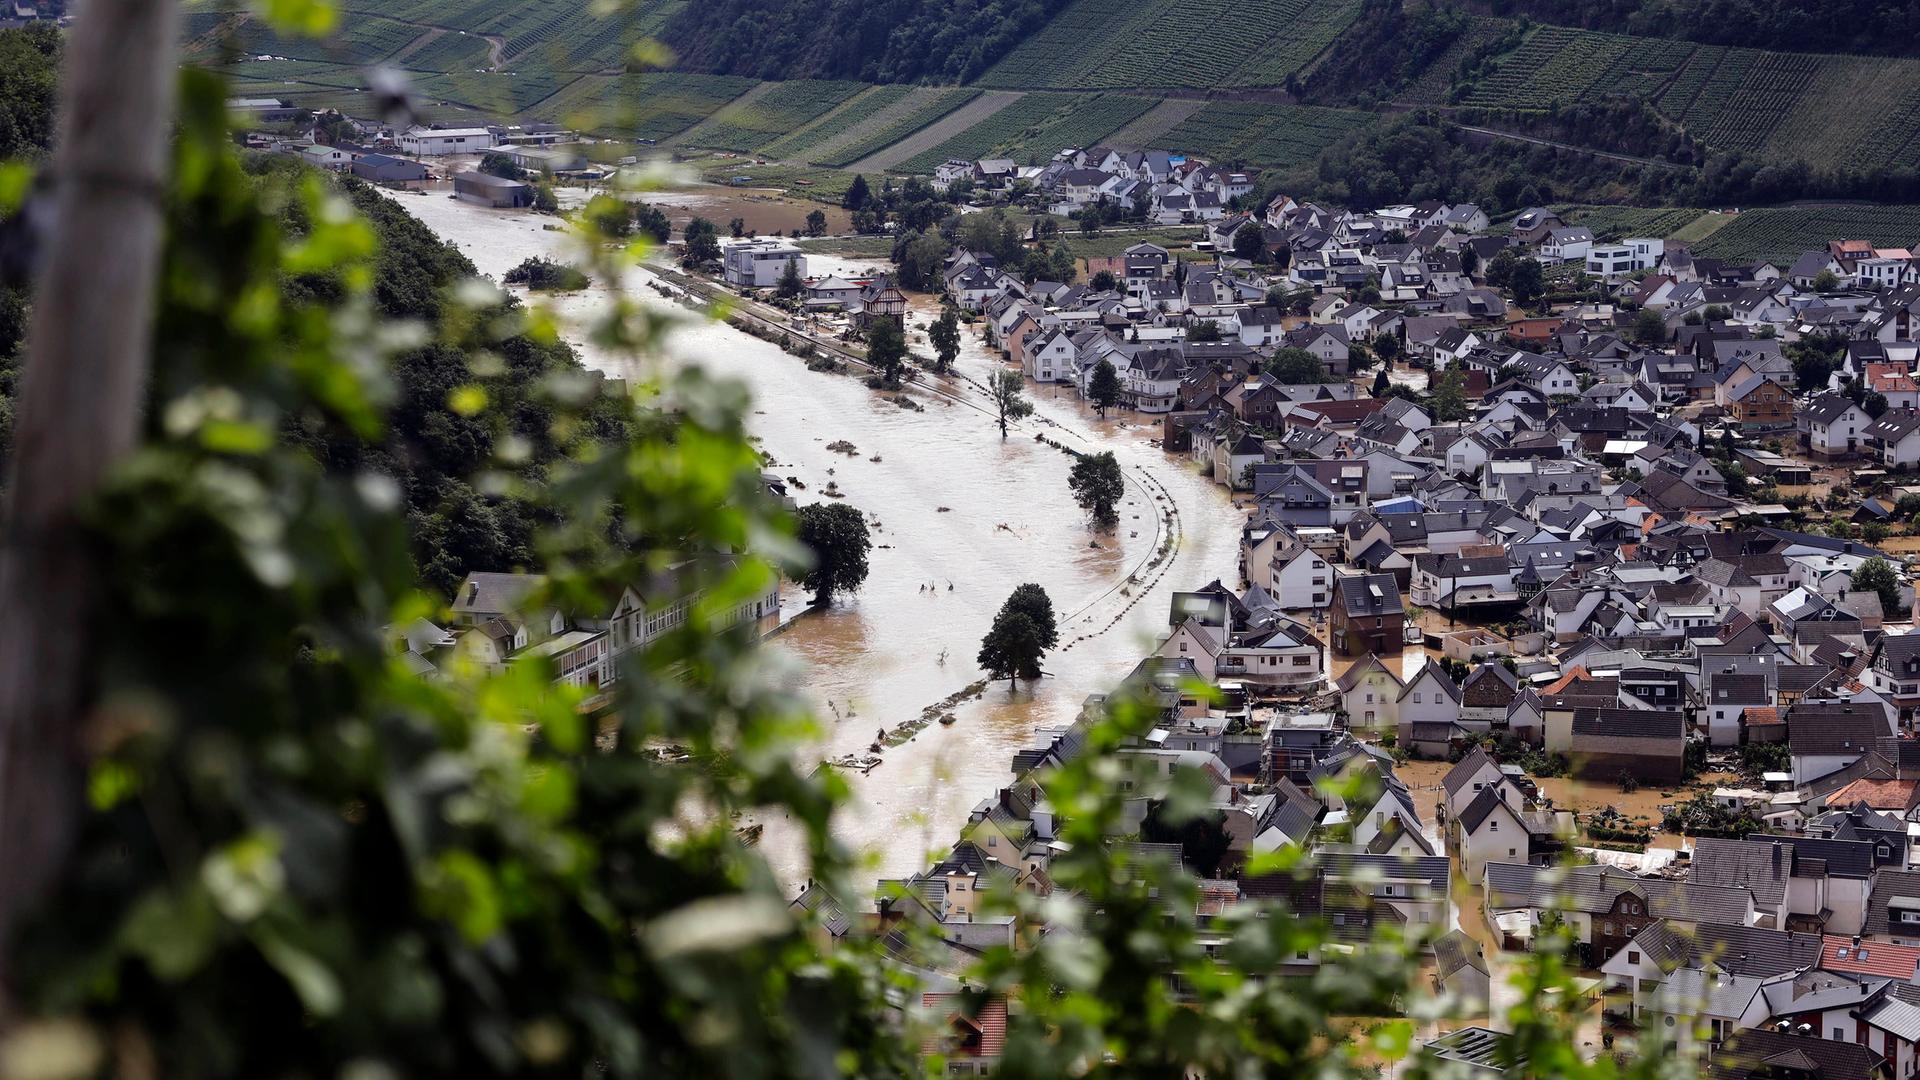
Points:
[(1780, 235), (1263, 134), (778, 111), (1034, 128), (1119, 44), (876, 120), (652, 105)]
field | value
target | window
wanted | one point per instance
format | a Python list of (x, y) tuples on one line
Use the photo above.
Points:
[(1633, 956), (1416, 697), (1493, 825)]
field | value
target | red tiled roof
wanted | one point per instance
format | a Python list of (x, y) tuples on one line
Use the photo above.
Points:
[(1765, 715), (1877, 794), (1876, 958), (949, 1037)]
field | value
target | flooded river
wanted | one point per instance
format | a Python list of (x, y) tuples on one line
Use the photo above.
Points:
[(963, 517)]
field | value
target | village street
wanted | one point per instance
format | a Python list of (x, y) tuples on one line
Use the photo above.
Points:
[(962, 517)]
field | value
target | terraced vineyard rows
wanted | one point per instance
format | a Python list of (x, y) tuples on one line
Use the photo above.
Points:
[(650, 105), (1771, 85), (928, 106), (1174, 43), (1311, 25), (782, 110), (1035, 122), (1081, 126), (497, 93), (1274, 135), (451, 51), (1782, 105), (1780, 235)]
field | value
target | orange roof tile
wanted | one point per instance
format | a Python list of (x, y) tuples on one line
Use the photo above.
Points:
[(1876, 958)]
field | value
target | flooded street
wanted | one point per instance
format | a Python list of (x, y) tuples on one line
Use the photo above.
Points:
[(962, 518)]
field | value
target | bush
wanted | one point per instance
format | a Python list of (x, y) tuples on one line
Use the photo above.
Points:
[(546, 275)]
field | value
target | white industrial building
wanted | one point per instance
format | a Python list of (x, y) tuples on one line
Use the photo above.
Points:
[(439, 142)]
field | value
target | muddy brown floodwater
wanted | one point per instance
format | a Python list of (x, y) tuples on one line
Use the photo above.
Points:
[(908, 639)]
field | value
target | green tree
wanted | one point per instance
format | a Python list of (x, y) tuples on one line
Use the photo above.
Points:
[(835, 535), (652, 222), (1011, 648), (1874, 404), (497, 164), (1528, 281), (1006, 391), (1388, 348), (1825, 282), (1202, 331), (1098, 486), (610, 217), (1875, 575), (1296, 367), (857, 195), (1104, 281), (1381, 383), (944, 335), (738, 227), (544, 200), (1202, 837), (887, 350), (1032, 601), (1103, 386), (1649, 328), (1449, 398), (700, 244), (816, 223), (1248, 243), (1814, 358), (790, 286)]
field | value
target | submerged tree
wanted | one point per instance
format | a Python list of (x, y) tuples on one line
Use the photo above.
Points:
[(835, 534), (1009, 401), (1011, 649), (886, 350), (944, 335), (1103, 386), (1098, 486)]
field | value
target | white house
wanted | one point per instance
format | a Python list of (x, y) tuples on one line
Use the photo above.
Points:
[(1430, 697), (1370, 694), (1301, 579), (759, 264), (1049, 357), (1569, 243)]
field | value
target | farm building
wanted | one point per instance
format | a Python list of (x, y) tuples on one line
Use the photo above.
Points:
[(489, 190), (389, 171)]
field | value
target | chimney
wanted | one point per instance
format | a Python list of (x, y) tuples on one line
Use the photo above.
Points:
[(1778, 855)]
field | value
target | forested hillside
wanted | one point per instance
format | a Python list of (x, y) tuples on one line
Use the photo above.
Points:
[(871, 40)]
